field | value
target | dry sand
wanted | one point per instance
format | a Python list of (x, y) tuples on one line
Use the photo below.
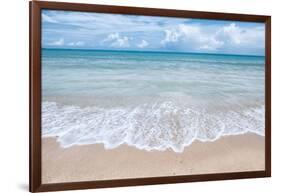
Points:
[(93, 162)]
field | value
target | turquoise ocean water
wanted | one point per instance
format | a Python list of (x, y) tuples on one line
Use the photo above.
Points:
[(150, 100)]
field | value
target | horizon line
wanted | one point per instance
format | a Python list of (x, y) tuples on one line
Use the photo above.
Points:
[(155, 51)]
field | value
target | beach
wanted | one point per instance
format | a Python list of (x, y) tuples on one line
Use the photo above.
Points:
[(127, 114), (93, 162)]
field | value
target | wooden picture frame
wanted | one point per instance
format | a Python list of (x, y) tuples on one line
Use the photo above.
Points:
[(36, 94)]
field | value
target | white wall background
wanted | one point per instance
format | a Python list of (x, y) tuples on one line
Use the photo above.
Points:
[(14, 95)]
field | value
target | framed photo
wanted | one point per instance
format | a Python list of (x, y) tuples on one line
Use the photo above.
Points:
[(123, 96)]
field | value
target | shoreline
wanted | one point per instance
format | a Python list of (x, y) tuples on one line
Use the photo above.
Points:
[(93, 162)]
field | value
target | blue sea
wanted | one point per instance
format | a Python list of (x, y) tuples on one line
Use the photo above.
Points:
[(150, 100)]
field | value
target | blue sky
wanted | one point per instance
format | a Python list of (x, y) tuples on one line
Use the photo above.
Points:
[(81, 30)]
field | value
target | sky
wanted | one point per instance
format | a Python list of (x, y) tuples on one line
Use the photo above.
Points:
[(82, 30)]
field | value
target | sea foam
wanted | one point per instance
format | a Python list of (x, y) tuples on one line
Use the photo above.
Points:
[(157, 126)]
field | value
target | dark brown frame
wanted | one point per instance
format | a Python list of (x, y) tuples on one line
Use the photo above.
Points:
[(35, 95)]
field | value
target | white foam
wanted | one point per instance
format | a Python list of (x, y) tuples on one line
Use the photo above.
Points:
[(158, 126)]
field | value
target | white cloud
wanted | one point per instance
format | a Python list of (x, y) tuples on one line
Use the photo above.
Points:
[(59, 42), (190, 37), (210, 44), (143, 44), (204, 38), (47, 18), (181, 32), (230, 32), (171, 36), (79, 43), (117, 41), (111, 37), (238, 36)]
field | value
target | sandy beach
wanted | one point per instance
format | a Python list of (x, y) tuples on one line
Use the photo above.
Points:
[(93, 162)]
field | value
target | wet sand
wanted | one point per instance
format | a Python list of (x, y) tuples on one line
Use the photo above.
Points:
[(93, 162)]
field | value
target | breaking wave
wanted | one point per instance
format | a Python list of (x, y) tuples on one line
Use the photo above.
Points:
[(158, 126)]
